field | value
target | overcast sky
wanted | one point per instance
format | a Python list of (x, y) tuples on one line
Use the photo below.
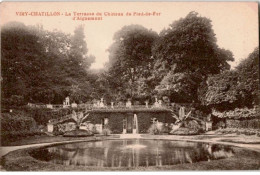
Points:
[(234, 23)]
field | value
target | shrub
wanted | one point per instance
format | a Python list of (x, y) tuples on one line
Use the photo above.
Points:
[(219, 125), (78, 133), (153, 130), (13, 101), (15, 122), (243, 123), (193, 124), (15, 125), (157, 129), (106, 132), (185, 131), (94, 130), (245, 131)]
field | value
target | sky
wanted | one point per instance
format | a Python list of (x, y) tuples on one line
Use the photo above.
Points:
[(234, 23)]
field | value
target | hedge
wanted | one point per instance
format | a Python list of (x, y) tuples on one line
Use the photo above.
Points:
[(43, 115), (17, 125), (243, 123), (16, 122)]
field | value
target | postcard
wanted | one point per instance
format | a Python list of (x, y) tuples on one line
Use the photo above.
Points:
[(129, 86)]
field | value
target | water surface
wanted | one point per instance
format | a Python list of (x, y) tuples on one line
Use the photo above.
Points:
[(132, 153)]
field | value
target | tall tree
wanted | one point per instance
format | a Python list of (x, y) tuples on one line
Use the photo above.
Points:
[(22, 54), (188, 48), (43, 66), (78, 64), (237, 88), (130, 56)]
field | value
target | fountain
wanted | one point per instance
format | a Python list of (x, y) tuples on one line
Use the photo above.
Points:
[(135, 128), (137, 145)]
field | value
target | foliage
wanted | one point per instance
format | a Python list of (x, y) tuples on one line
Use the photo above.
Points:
[(194, 125), (130, 57), (253, 123), (17, 125), (234, 89), (186, 53), (238, 131), (220, 89), (185, 131), (156, 129), (106, 131), (79, 118), (43, 115), (181, 87), (248, 81), (238, 113), (16, 121), (14, 100), (42, 66), (78, 133)]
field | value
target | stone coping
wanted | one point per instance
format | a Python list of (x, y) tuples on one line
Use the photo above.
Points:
[(254, 147)]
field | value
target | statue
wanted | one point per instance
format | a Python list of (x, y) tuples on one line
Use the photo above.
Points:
[(101, 104), (128, 104), (156, 104)]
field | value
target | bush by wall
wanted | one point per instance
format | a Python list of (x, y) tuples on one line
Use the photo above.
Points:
[(17, 125), (243, 123), (43, 115), (16, 122)]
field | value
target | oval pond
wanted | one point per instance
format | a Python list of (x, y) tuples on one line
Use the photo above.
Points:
[(131, 153)]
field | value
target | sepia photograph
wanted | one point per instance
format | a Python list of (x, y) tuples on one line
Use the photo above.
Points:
[(129, 86)]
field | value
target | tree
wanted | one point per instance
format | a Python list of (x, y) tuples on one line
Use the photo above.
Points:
[(248, 81), (130, 56), (22, 54), (43, 66), (77, 66), (179, 87), (220, 90), (237, 88), (78, 50), (188, 47)]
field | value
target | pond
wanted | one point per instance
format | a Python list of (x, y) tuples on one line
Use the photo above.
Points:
[(131, 153)]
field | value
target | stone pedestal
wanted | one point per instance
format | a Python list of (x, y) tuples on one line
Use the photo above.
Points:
[(49, 106), (146, 104), (50, 127), (74, 105), (128, 104), (112, 105), (98, 128), (208, 125)]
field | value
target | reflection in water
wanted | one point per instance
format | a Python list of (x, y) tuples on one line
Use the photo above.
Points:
[(132, 153)]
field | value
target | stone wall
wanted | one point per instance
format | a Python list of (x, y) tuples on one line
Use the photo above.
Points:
[(115, 119)]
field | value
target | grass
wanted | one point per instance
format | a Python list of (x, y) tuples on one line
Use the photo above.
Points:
[(21, 160)]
